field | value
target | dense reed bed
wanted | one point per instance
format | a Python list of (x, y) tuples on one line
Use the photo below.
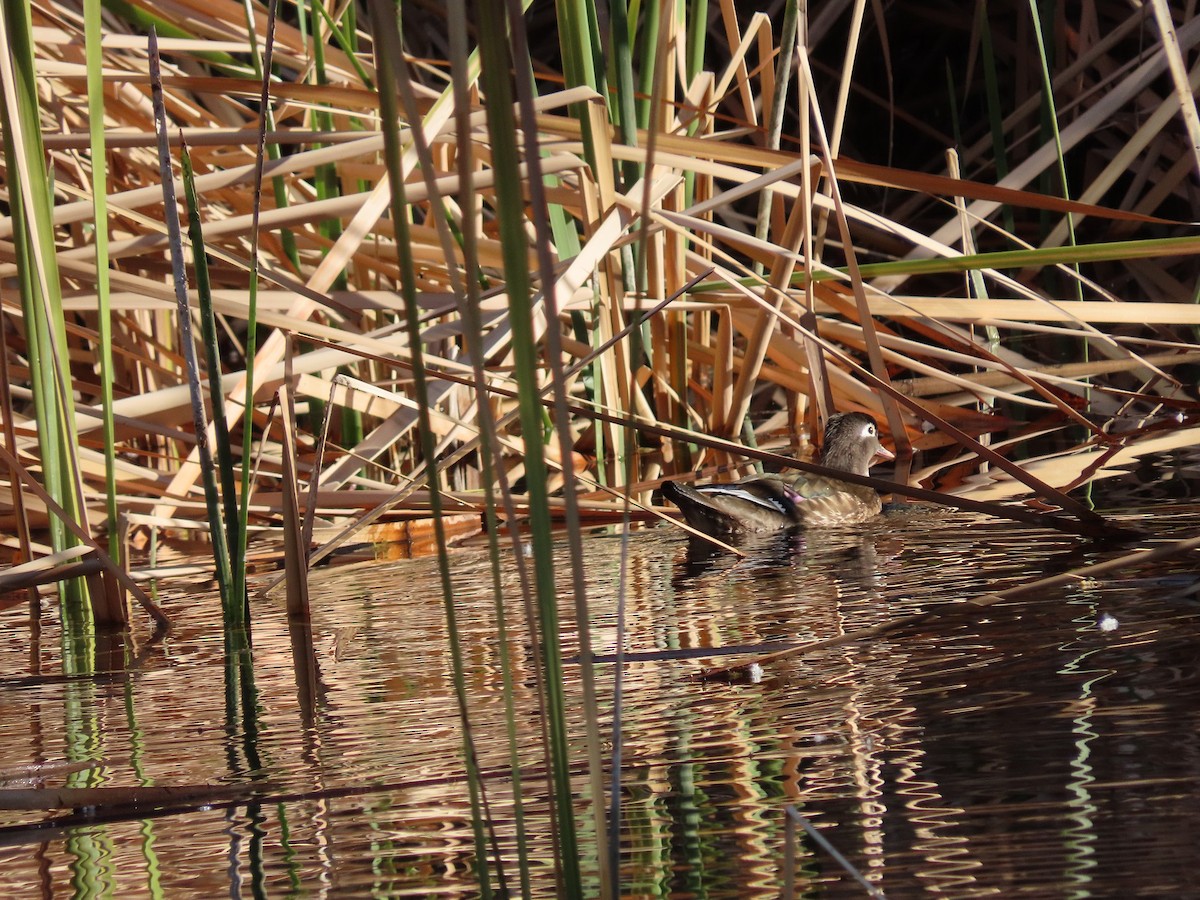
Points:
[(525, 269)]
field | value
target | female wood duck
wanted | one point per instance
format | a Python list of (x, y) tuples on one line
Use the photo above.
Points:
[(772, 502)]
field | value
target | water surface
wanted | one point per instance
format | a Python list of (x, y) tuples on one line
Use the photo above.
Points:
[(1042, 747)]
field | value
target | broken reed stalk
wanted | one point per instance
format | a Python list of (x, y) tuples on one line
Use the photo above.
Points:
[(161, 620), (295, 556), (794, 818)]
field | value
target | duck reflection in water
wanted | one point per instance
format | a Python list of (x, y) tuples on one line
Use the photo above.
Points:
[(848, 556)]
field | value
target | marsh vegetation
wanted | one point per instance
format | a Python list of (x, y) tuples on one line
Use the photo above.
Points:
[(285, 278)]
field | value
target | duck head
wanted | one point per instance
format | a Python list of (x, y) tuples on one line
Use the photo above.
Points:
[(852, 443)]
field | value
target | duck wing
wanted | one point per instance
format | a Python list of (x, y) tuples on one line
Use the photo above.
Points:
[(762, 503), (828, 501)]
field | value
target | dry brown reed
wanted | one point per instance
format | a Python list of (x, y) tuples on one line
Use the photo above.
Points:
[(912, 314)]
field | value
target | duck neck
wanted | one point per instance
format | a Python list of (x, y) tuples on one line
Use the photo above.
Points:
[(843, 460)]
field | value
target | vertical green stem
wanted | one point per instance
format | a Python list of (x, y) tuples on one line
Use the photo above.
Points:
[(388, 56), (28, 183), (95, 91), (496, 64)]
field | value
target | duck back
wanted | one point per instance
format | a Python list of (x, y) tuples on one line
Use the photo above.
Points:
[(829, 501), (763, 503)]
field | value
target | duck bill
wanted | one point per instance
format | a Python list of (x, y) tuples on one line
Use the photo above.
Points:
[(882, 454)]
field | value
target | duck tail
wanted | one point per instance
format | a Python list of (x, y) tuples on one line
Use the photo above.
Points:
[(698, 510)]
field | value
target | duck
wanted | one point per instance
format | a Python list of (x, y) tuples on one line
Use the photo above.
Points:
[(773, 502)]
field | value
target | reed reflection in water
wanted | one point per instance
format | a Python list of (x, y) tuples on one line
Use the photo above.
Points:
[(1022, 748)]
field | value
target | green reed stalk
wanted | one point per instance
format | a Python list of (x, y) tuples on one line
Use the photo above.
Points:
[(95, 91), (624, 113), (1052, 116), (1015, 259), (469, 307), (143, 20), (388, 58), (238, 551), (29, 198), (328, 186), (696, 23), (697, 33), (346, 38), (278, 185), (582, 56), (648, 41), (466, 287), (222, 503), (230, 605), (562, 426), (564, 230), (497, 62), (623, 110)]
